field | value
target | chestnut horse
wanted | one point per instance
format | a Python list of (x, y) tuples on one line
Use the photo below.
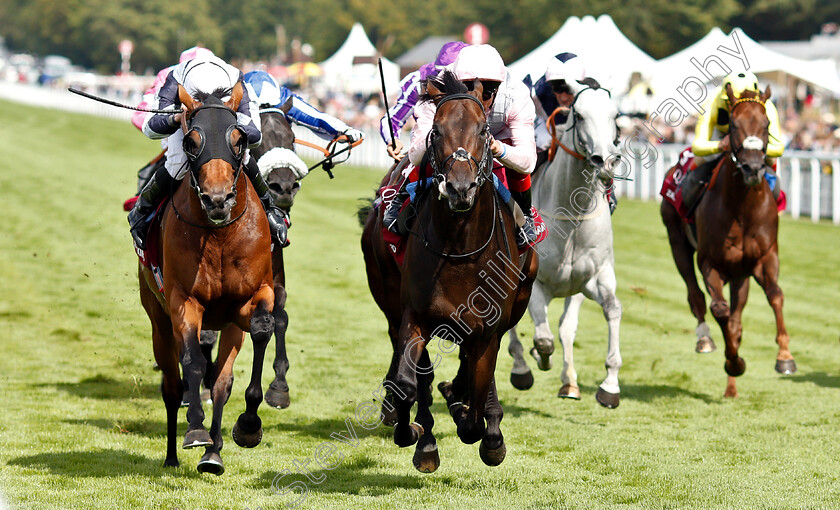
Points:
[(216, 257), (737, 237), (462, 281)]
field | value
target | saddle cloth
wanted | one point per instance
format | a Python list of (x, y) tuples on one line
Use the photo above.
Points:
[(149, 256)]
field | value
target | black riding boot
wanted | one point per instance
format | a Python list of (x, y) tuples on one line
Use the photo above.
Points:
[(527, 234), (278, 219), (392, 213), (149, 198), (694, 184)]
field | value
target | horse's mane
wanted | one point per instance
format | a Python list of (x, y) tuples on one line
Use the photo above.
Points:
[(213, 97), (447, 83)]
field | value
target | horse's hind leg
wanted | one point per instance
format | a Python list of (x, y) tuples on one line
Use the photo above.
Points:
[(567, 331), (410, 347), (683, 254), (426, 458), (277, 394), (543, 339), (521, 376), (492, 449), (247, 432), (229, 346), (767, 274), (483, 363), (172, 387), (206, 341)]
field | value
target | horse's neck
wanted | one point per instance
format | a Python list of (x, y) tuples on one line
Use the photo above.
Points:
[(737, 194), (459, 232), (567, 184)]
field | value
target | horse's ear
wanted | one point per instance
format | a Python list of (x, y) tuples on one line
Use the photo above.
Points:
[(287, 105), (235, 96), (186, 99), (433, 90), (766, 94), (730, 94)]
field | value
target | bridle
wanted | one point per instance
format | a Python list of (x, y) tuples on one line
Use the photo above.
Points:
[(573, 151), (218, 149), (752, 140), (482, 166)]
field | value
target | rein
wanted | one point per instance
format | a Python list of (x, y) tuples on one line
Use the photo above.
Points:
[(461, 154)]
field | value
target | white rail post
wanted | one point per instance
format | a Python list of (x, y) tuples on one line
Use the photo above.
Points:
[(795, 188), (835, 191), (815, 190)]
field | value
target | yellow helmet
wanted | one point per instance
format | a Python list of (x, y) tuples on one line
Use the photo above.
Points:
[(740, 81)]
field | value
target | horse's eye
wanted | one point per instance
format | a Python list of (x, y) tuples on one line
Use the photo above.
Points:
[(192, 148), (578, 117), (238, 143)]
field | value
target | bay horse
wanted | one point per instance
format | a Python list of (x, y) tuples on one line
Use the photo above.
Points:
[(216, 261), (577, 260), (737, 237), (278, 140), (461, 235)]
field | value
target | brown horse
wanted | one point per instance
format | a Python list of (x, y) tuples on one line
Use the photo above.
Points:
[(283, 184), (216, 258), (461, 281), (737, 237)]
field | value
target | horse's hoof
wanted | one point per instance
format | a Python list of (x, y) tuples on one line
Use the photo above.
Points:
[(607, 399), (427, 460), (522, 381), (415, 430), (492, 457), (737, 368), (171, 462), (705, 345), (246, 439), (785, 366), (569, 391), (211, 462), (197, 437), (543, 360), (277, 399)]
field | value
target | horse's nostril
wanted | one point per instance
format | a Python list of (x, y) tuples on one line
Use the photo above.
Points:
[(473, 185), (230, 197), (598, 160)]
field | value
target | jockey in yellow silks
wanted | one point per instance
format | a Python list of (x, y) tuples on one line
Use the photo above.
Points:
[(711, 136)]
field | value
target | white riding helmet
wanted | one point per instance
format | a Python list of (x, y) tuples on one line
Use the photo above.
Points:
[(565, 66), (206, 74), (262, 88), (480, 61)]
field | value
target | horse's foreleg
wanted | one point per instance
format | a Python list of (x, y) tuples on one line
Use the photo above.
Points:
[(520, 374), (566, 331), (247, 432), (608, 392), (186, 314), (483, 363), (543, 339), (492, 449), (767, 274), (410, 347), (734, 365), (277, 394), (683, 254), (229, 346), (426, 458)]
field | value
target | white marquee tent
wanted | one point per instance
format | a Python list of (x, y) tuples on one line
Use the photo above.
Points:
[(342, 72), (670, 72), (610, 56)]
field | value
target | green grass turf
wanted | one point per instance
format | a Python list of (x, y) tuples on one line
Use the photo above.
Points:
[(83, 424)]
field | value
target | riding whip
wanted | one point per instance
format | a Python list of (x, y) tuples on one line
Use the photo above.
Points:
[(114, 103), (385, 98)]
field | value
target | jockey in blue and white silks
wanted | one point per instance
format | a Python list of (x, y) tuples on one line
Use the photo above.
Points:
[(264, 91)]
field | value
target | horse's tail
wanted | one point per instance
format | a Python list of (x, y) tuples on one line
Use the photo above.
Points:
[(364, 210)]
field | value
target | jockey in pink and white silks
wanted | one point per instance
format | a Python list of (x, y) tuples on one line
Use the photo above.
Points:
[(510, 115), (410, 89), (203, 74)]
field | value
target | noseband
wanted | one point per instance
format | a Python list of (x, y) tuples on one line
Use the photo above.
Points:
[(482, 167)]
